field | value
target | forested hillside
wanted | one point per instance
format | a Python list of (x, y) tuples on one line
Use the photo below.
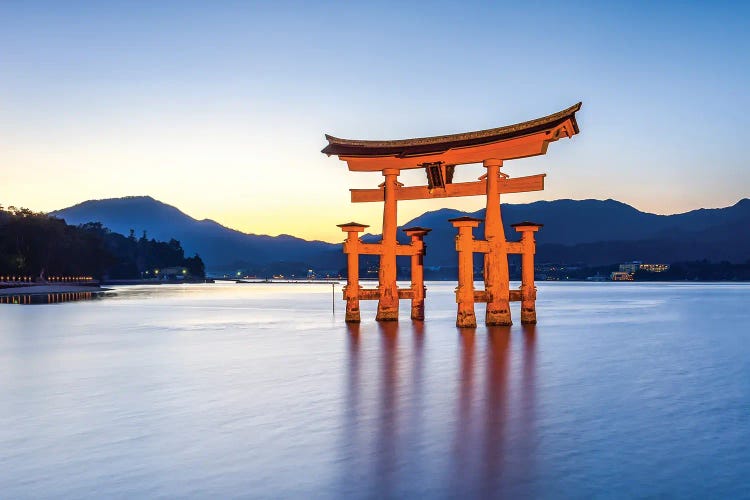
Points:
[(35, 244)]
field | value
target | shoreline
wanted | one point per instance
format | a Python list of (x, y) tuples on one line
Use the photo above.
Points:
[(45, 289)]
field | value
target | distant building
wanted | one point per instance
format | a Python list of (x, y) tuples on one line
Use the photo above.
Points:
[(654, 268), (637, 265), (621, 276), (630, 267)]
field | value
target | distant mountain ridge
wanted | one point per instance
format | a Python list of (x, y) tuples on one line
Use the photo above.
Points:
[(220, 247), (593, 232), (597, 232)]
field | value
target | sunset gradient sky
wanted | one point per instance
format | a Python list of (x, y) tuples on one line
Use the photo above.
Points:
[(219, 108)]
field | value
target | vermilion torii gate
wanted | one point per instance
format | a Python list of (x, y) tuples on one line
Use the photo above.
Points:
[(439, 156)]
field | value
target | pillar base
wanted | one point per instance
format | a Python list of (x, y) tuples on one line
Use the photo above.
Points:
[(528, 315), (387, 303), (352, 317), (388, 317), (387, 314), (352, 309), (417, 312), (498, 314), (466, 319)]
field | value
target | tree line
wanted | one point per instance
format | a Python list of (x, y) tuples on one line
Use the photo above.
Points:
[(35, 244)]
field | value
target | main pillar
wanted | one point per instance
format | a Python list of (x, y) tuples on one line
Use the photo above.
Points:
[(496, 276), (528, 289), (465, 317), (352, 288), (388, 301), (417, 235)]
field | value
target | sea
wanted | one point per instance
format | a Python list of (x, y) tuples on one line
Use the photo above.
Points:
[(622, 390)]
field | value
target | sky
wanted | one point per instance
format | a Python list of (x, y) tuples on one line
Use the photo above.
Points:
[(220, 108)]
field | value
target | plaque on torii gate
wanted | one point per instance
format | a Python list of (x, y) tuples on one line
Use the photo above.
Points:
[(439, 156)]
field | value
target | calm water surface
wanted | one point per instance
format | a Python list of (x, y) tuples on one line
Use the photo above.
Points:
[(623, 390)]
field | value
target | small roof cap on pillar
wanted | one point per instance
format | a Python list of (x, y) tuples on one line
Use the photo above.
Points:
[(531, 226), (416, 230), (352, 226), (465, 218), (465, 221)]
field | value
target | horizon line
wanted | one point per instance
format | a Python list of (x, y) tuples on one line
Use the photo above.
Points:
[(51, 213)]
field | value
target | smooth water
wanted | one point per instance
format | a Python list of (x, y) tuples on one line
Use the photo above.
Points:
[(622, 390)]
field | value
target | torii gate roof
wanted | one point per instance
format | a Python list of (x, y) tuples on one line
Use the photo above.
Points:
[(512, 141)]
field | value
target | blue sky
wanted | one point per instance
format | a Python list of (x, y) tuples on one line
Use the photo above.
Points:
[(220, 107)]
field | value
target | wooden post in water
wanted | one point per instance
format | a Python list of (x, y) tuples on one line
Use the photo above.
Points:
[(388, 301), (528, 289), (465, 318), (417, 235), (351, 249), (496, 276)]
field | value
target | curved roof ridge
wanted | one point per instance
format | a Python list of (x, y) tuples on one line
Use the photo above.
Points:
[(508, 130)]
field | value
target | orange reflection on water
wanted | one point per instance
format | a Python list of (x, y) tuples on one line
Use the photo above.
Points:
[(385, 414)]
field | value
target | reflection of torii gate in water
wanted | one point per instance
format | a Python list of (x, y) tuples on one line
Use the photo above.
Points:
[(439, 157)]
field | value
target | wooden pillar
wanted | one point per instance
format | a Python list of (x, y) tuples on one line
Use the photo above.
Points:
[(352, 288), (528, 288), (465, 317), (388, 301), (496, 276), (417, 235)]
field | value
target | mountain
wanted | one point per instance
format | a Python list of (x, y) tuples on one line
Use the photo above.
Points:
[(592, 232), (597, 232), (221, 248)]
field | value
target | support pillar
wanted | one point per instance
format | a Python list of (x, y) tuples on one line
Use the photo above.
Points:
[(496, 275), (465, 317), (417, 235), (528, 288), (388, 301), (352, 288)]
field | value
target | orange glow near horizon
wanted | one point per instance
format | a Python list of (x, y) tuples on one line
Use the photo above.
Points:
[(245, 177), (313, 215), (316, 222)]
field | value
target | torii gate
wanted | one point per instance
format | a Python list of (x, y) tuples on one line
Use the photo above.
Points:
[(439, 156)]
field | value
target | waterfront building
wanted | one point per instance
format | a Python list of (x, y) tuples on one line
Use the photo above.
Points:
[(637, 265), (621, 276), (654, 268)]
